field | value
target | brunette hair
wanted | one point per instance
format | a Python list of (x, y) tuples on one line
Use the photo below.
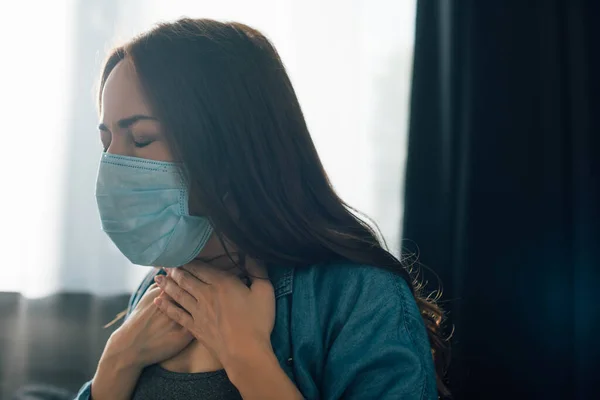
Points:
[(233, 120)]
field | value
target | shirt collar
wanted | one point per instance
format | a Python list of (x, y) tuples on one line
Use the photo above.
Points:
[(282, 279)]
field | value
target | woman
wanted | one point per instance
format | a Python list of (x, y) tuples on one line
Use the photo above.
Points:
[(284, 293)]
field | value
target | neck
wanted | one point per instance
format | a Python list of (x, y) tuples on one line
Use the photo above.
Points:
[(216, 252)]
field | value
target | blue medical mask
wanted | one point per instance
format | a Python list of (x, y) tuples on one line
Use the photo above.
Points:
[(143, 207)]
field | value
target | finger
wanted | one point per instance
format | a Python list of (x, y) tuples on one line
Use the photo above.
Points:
[(182, 297), (153, 289), (188, 282), (164, 296), (175, 313), (151, 293), (207, 274)]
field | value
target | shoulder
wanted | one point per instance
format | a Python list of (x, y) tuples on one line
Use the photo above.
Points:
[(371, 328), (344, 291), (351, 272), (343, 281)]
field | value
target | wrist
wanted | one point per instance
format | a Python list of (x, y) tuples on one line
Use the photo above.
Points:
[(120, 356), (115, 378), (257, 374), (242, 365), (120, 362)]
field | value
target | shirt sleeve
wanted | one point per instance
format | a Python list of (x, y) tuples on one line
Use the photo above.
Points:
[(379, 347), (85, 393)]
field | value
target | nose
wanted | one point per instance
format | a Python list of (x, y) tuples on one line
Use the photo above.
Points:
[(119, 146)]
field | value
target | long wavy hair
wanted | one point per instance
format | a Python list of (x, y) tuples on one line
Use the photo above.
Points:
[(233, 120)]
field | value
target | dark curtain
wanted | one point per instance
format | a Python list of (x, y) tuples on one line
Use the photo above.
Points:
[(502, 190)]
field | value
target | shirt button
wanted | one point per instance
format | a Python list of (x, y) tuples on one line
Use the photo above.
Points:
[(289, 361)]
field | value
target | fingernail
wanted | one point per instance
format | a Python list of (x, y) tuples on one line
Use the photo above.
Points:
[(157, 301), (159, 279)]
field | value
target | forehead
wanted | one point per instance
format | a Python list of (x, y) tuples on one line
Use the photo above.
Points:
[(122, 95)]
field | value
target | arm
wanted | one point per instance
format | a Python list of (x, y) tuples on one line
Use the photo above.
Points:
[(257, 375), (115, 372), (115, 377), (378, 346)]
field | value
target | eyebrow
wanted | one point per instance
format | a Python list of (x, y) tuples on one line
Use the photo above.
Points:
[(127, 122)]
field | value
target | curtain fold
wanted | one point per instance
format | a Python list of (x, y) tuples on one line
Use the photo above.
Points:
[(502, 189)]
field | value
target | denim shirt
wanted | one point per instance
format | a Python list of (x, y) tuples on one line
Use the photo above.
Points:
[(345, 331)]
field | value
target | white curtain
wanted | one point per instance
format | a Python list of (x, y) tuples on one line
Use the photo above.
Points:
[(350, 62)]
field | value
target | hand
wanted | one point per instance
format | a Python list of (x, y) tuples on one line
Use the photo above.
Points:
[(218, 309), (148, 336)]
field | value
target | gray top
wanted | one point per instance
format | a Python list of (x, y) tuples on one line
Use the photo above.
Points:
[(161, 384)]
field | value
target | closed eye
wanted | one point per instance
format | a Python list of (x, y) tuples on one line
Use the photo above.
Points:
[(140, 145)]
